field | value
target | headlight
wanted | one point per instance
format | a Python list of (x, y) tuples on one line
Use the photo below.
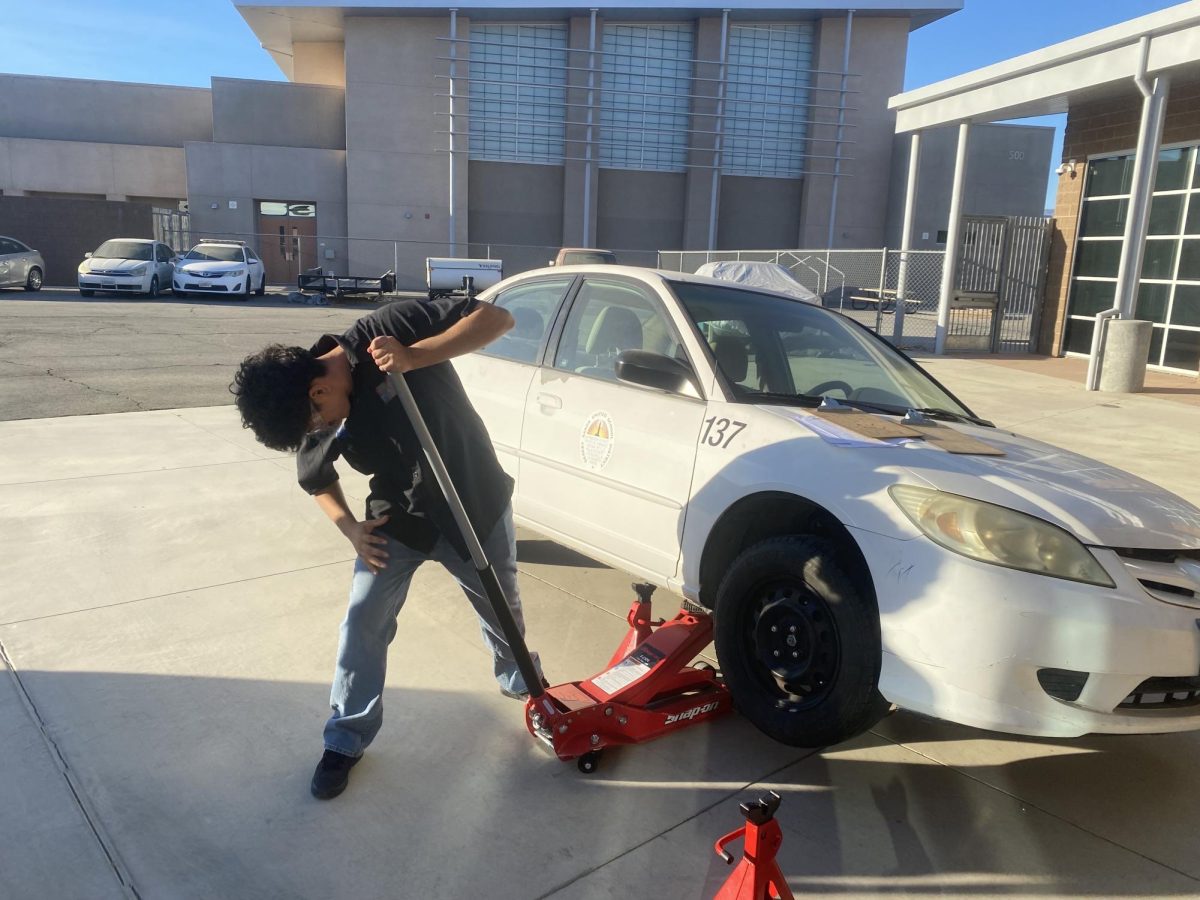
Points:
[(997, 535), (137, 270), (235, 273), (84, 267)]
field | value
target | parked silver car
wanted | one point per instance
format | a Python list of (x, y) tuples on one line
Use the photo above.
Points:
[(20, 266)]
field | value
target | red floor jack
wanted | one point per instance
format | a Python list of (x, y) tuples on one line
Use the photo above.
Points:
[(757, 876), (649, 687)]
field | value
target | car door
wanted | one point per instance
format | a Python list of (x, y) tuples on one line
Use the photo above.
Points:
[(607, 466), (254, 268), (497, 377), (8, 258), (162, 264)]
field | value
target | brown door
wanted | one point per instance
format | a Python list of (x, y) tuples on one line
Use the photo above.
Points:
[(289, 245)]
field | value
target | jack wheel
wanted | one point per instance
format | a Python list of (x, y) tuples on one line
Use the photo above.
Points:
[(589, 762)]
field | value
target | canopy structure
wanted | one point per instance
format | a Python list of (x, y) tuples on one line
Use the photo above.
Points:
[(1143, 53)]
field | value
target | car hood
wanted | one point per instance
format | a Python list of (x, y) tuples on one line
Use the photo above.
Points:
[(1100, 504), (202, 267), (102, 264)]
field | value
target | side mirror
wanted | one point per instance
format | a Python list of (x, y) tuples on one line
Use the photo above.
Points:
[(653, 370), (88, 255)]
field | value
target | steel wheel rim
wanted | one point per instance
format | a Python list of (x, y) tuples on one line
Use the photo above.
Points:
[(792, 640)]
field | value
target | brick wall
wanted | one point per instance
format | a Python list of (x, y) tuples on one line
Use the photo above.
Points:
[(63, 230), (1098, 128)]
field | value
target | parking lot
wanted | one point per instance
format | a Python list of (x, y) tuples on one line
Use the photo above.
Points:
[(169, 617)]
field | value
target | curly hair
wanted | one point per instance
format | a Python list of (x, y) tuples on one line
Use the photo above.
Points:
[(271, 391)]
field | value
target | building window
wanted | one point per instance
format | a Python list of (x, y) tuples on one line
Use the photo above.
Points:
[(517, 92), (644, 103), (1168, 292), (767, 92)]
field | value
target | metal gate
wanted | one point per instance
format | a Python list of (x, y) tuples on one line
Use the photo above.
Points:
[(1006, 256)]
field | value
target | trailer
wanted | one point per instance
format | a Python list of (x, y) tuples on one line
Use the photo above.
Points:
[(447, 275), (343, 285)]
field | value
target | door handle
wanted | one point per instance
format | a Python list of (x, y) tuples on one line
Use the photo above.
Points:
[(549, 401)]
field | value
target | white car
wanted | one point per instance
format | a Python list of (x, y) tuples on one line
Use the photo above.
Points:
[(225, 268), (668, 425), (127, 265)]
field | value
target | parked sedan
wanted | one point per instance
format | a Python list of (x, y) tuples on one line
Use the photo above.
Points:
[(225, 268), (127, 266), (860, 535), (20, 266)]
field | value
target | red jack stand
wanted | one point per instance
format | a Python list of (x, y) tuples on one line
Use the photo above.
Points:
[(648, 689), (757, 876)]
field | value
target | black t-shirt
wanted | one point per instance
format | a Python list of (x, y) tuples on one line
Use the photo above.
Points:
[(378, 440)]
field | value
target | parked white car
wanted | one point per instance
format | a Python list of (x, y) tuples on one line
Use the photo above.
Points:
[(668, 425), (226, 268), (127, 265)]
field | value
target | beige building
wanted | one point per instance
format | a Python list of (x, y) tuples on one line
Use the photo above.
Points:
[(408, 130)]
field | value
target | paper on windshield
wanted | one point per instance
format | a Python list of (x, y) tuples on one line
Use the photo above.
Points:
[(840, 435)]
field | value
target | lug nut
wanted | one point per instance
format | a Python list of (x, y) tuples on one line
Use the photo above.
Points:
[(773, 629), (792, 629), (776, 652)]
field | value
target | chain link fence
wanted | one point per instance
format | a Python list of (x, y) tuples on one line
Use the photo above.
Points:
[(893, 293)]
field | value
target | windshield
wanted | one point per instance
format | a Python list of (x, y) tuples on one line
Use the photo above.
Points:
[(216, 253), (124, 250), (768, 347), (587, 257)]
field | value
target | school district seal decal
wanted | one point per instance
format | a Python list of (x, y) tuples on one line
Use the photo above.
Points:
[(596, 440)]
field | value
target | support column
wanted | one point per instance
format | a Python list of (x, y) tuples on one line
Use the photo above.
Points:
[(1145, 166), (453, 246), (910, 203), (953, 238), (841, 129), (717, 138)]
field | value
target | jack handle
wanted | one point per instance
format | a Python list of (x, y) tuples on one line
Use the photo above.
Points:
[(721, 843)]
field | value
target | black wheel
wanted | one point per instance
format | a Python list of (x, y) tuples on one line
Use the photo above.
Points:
[(83, 292), (798, 643), (33, 281), (153, 292), (589, 762), (244, 293), (262, 286)]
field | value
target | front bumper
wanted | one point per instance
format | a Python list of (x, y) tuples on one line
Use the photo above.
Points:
[(126, 284), (1012, 651), (194, 284)]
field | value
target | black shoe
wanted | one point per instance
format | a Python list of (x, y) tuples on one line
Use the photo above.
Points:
[(522, 695), (332, 775)]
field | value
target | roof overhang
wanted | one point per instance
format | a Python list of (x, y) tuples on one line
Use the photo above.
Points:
[(1047, 81), (279, 24)]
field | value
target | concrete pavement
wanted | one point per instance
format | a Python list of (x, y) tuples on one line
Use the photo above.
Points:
[(169, 615)]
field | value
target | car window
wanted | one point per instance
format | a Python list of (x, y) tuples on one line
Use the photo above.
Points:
[(18, 247), (216, 253), (250, 255), (7, 246), (124, 250), (533, 307), (770, 345), (164, 255), (607, 318)]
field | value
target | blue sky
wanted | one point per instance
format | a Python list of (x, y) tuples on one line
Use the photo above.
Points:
[(178, 42)]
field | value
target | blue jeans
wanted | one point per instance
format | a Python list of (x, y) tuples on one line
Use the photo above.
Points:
[(370, 625)]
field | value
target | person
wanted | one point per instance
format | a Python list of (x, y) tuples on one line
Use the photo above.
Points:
[(335, 400)]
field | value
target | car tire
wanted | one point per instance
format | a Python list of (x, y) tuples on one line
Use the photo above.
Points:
[(33, 281), (791, 595), (262, 286), (244, 294), (153, 292)]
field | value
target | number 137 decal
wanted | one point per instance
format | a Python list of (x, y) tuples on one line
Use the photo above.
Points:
[(720, 432)]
